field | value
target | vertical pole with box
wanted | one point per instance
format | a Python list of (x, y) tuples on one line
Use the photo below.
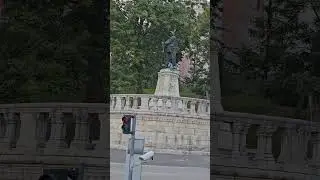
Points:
[(131, 150)]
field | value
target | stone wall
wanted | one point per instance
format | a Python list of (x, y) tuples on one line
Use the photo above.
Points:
[(175, 125)]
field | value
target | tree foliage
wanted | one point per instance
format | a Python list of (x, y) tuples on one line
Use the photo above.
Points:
[(138, 29), (281, 57), (46, 49)]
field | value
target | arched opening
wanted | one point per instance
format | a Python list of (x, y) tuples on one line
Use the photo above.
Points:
[(70, 123), (309, 153), (139, 101), (16, 117), (197, 107), (207, 107), (252, 138), (188, 104), (3, 126), (49, 125), (131, 102), (94, 128)]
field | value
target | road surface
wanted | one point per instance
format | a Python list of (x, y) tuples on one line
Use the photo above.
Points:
[(164, 166), (118, 156), (153, 172)]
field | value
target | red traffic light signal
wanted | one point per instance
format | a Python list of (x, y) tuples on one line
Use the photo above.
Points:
[(127, 124), (125, 119)]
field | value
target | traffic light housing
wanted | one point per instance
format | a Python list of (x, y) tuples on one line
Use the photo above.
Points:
[(127, 124)]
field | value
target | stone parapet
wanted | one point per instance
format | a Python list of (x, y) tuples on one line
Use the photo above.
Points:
[(265, 146)]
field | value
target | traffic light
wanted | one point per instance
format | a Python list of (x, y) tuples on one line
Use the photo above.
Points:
[(127, 124)]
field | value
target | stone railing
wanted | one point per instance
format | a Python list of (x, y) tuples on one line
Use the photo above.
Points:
[(53, 135), (158, 104), (44, 127), (268, 147)]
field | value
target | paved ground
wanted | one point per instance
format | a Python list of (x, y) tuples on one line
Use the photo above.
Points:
[(118, 156), (165, 166), (154, 172)]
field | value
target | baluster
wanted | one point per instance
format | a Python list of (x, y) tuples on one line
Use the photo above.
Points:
[(152, 104), (41, 128), (179, 105), (269, 130), (204, 107), (58, 129), (199, 110), (125, 103), (28, 137), (135, 102), (118, 103), (243, 139), (81, 137), (169, 105), (144, 103), (261, 143), (104, 135), (155, 103), (236, 128), (295, 145), (192, 107), (316, 149), (185, 107), (160, 104), (285, 152), (301, 148), (10, 119)]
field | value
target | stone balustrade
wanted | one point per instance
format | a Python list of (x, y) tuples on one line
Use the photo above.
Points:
[(50, 135), (76, 133), (267, 147), (157, 104)]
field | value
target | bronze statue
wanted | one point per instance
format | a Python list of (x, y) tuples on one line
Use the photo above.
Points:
[(172, 52)]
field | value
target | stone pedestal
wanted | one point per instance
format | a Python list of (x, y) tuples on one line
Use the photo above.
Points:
[(168, 83)]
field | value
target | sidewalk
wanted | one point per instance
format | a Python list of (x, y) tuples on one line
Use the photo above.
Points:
[(118, 156), (154, 172)]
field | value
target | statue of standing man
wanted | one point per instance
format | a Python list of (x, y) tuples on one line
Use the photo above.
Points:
[(172, 52)]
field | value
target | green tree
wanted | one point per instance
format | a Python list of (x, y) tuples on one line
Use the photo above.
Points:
[(138, 29), (46, 50), (198, 52), (285, 40)]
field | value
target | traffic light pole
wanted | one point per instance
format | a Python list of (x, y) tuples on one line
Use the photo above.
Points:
[(131, 150)]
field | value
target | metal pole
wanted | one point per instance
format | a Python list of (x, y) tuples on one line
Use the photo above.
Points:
[(131, 159)]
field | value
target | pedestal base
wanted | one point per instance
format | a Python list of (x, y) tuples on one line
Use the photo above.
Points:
[(168, 83)]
